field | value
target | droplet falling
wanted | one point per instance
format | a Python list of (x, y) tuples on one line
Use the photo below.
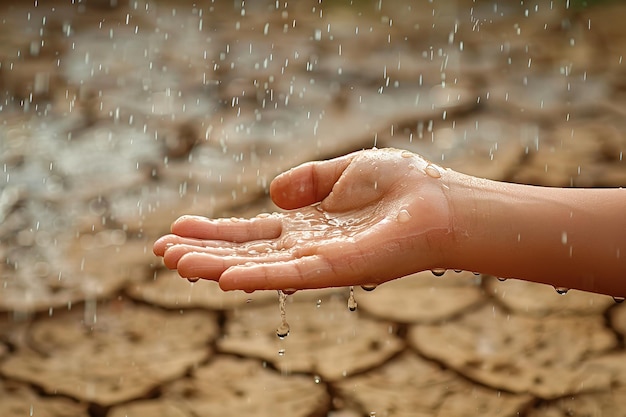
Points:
[(561, 290), (432, 171), (403, 216), (438, 271), (351, 301), (369, 287), (619, 300), (283, 329)]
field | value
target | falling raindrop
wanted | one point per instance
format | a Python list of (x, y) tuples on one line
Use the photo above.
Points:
[(351, 301)]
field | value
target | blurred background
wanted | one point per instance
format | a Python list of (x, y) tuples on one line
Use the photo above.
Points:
[(118, 116)]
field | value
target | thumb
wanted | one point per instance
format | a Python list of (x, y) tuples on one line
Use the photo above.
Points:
[(308, 183)]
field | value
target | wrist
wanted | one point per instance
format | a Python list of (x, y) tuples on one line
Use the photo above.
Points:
[(482, 218)]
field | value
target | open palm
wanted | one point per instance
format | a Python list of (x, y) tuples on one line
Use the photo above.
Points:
[(364, 218)]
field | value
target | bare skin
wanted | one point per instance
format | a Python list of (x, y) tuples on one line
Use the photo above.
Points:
[(377, 215)]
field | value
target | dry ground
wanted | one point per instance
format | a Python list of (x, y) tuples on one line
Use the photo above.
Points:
[(117, 117)]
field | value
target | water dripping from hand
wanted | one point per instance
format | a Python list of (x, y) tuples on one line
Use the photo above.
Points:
[(351, 301), (283, 328)]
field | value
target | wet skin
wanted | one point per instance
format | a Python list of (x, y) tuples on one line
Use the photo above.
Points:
[(376, 215), (364, 218)]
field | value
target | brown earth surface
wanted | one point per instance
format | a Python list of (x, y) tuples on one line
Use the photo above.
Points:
[(117, 117)]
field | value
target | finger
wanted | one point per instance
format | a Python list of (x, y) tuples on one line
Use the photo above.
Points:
[(230, 230), (245, 253), (308, 183), (164, 243), (210, 266), (301, 273), (161, 245)]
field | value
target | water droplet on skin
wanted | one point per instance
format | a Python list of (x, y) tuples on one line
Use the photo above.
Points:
[(619, 300), (438, 272), (283, 329), (432, 171), (317, 379), (289, 291), (281, 352), (318, 303), (501, 279), (406, 154), (458, 271), (561, 290), (403, 216), (351, 301), (192, 280), (369, 287)]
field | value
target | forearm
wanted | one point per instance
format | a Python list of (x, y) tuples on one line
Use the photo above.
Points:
[(569, 238)]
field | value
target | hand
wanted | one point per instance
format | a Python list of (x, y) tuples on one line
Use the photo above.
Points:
[(364, 218)]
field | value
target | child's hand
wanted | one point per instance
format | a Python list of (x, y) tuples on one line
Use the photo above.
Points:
[(364, 218)]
